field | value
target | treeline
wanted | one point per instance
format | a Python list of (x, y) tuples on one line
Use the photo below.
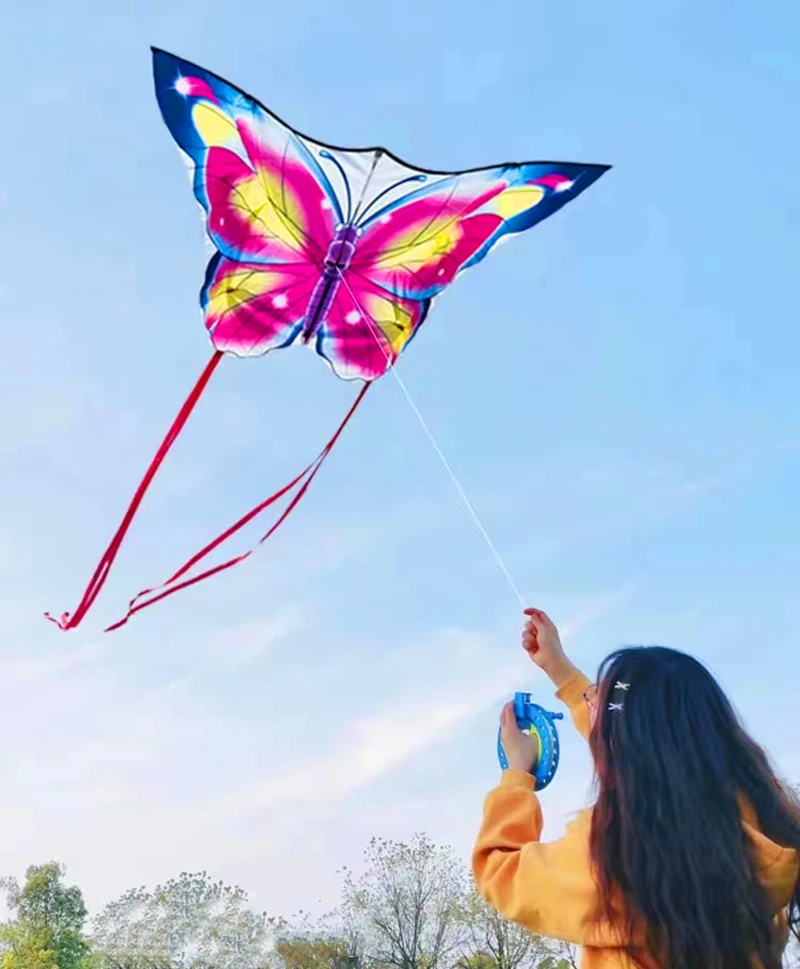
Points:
[(413, 907)]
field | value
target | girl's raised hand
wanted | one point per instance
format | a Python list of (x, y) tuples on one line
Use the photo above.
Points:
[(541, 642)]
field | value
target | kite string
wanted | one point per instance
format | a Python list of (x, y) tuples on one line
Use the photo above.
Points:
[(429, 434)]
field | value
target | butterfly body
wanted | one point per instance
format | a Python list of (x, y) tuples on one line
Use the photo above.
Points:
[(338, 258)]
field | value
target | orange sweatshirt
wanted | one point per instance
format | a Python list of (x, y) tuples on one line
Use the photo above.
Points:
[(548, 887)]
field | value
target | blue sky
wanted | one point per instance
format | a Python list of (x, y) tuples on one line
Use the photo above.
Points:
[(616, 390)]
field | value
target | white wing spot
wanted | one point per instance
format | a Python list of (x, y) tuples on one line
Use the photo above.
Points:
[(280, 302), (353, 317), (183, 86), (327, 204), (564, 186)]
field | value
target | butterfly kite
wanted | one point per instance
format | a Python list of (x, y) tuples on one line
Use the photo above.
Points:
[(341, 250)]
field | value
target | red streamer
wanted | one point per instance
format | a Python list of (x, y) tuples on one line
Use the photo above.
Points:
[(304, 479), (98, 580)]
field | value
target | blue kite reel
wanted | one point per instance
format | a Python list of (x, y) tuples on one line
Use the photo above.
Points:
[(535, 720)]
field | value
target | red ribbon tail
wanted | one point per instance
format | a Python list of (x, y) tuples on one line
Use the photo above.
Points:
[(98, 579), (148, 597)]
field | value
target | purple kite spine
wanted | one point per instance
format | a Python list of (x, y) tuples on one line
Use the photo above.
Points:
[(337, 259)]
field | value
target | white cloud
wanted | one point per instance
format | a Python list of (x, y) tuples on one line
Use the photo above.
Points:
[(594, 608), (367, 749), (128, 785), (229, 650), (18, 668), (372, 746)]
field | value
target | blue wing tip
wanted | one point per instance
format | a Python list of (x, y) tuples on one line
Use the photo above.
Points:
[(159, 54)]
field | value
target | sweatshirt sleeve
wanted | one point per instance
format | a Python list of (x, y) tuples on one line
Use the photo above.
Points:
[(545, 887), (571, 693)]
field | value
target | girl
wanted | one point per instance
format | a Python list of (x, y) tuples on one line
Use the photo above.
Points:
[(689, 858)]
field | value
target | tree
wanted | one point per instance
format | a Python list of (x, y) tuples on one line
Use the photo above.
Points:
[(407, 905), (47, 931), (317, 952), (493, 942), (333, 942), (791, 956), (25, 950), (191, 922), (566, 955)]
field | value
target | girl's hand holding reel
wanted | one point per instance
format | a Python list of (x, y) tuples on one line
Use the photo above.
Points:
[(528, 740)]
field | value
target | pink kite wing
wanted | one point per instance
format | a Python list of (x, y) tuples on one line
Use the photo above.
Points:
[(366, 328), (251, 309), (265, 197), (417, 246)]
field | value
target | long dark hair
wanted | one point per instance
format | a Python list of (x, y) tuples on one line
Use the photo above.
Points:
[(668, 849)]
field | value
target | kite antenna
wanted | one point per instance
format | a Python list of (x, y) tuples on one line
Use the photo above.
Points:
[(429, 434), (376, 158)]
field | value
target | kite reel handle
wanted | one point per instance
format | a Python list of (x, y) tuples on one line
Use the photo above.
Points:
[(535, 720)]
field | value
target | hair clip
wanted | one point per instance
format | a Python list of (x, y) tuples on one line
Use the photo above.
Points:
[(615, 706), (619, 685)]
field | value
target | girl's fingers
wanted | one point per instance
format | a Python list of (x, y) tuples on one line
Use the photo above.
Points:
[(508, 723), (539, 616)]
